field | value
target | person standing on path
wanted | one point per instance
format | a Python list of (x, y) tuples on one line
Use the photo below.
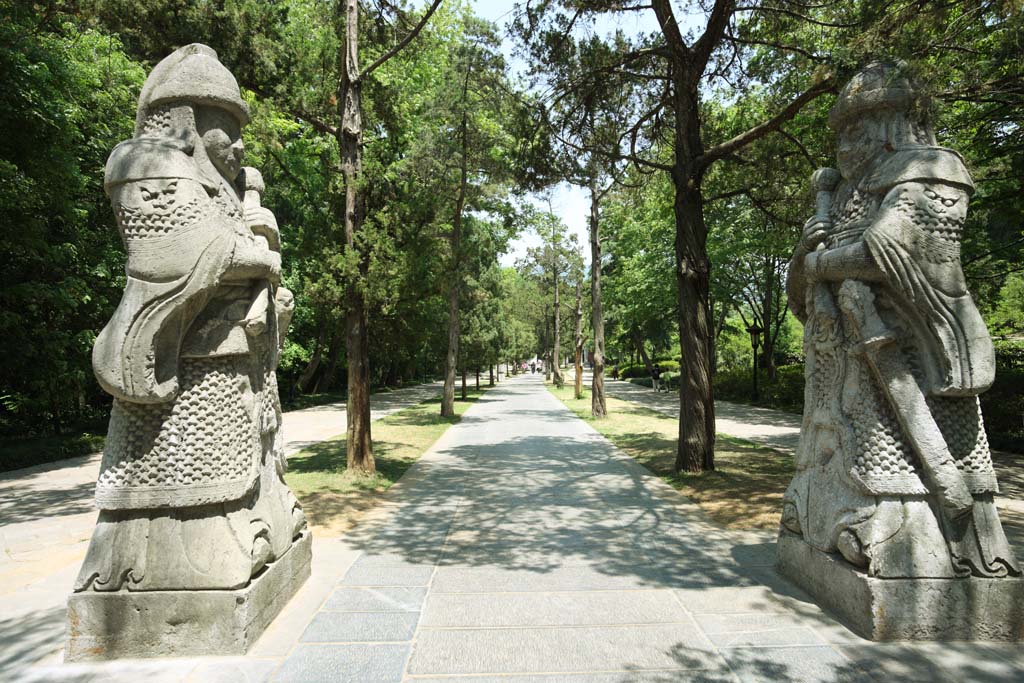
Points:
[(656, 378)]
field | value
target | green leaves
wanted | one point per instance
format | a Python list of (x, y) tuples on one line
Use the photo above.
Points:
[(69, 97)]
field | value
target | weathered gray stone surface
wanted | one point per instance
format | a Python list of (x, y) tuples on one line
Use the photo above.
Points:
[(906, 609), (128, 624), (894, 472), (191, 490)]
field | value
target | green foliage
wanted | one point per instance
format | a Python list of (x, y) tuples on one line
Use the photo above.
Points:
[(1010, 354), (786, 392), (630, 371), (16, 453), (68, 98), (1008, 315)]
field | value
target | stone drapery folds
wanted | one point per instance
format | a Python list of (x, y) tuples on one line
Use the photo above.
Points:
[(893, 468), (191, 490)]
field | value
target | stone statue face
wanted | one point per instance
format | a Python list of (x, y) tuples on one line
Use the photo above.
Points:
[(221, 134), (859, 142)]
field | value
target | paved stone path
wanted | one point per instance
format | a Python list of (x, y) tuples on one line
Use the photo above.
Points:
[(47, 517), (781, 430), (524, 548)]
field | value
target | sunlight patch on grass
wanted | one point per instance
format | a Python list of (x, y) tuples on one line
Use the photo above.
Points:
[(744, 492), (333, 497)]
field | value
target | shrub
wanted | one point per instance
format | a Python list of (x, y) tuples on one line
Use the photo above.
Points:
[(640, 370), (1003, 408), (786, 392), (1009, 355)]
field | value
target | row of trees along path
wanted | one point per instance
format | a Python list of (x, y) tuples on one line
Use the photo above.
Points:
[(685, 105)]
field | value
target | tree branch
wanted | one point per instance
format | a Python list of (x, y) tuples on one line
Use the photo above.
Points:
[(712, 36), (318, 124), (403, 42), (759, 131), (778, 46), (669, 27), (796, 15)]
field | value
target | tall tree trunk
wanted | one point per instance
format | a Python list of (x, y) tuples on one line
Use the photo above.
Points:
[(350, 141), (768, 347), (490, 371), (546, 359), (464, 384), (598, 406), (451, 358), (641, 347), (696, 450), (307, 376), (556, 346), (578, 345), (455, 238), (478, 379)]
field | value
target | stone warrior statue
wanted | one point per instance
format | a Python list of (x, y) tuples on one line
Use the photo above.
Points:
[(190, 491), (893, 467)]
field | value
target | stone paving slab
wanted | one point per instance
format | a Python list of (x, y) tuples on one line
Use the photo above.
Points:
[(653, 676), (386, 599), (330, 663), (911, 663), (821, 664), (594, 648), (361, 627), (757, 630), (490, 610), (389, 576)]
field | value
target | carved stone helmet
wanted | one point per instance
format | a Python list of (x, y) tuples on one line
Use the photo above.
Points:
[(877, 86), (192, 74)]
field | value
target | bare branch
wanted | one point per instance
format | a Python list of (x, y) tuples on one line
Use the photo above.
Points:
[(778, 46), (318, 124), (799, 145)]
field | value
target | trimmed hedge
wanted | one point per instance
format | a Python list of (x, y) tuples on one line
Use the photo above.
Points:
[(785, 393), (628, 371)]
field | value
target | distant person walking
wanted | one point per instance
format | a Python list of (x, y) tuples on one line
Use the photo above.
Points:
[(656, 378), (615, 371), (533, 367)]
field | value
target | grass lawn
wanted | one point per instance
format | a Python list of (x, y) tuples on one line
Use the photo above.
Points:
[(333, 497), (744, 492)]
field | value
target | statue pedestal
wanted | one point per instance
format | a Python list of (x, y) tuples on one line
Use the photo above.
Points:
[(904, 609), (183, 623)]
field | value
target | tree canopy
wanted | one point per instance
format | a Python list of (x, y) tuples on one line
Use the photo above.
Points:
[(692, 141)]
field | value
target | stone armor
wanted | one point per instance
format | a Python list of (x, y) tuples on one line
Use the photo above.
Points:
[(897, 354), (191, 491)]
